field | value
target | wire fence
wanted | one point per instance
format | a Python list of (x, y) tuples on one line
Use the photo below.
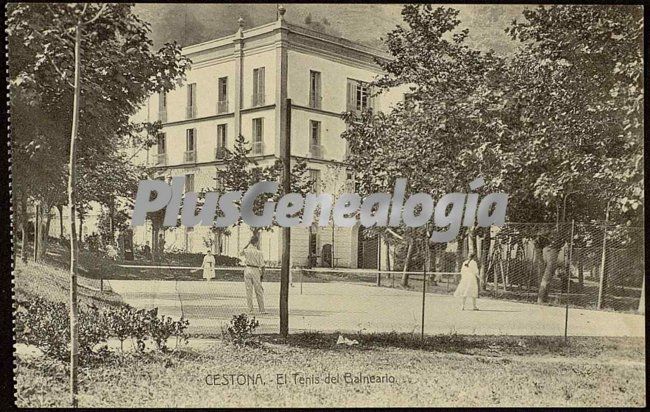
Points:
[(590, 266)]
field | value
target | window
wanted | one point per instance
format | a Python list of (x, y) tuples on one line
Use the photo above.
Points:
[(314, 176), (358, 95), (162, 107), (221, 141), (190, 139), (349, 181), (314, 90), (191, 100), (162, 149), (190, 145), (222, 93), (314, 139), (258, 135), (189, 183), (161, 156), (258, 86)]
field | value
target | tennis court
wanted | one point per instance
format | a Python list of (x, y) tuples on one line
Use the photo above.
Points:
[(362, 307)]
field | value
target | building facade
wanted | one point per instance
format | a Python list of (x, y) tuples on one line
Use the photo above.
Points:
[(240, 85)]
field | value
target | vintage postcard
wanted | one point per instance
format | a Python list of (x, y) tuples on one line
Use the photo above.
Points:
[(326, 205)]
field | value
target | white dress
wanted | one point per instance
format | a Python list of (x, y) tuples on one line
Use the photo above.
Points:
[(468, 285), (208, 267)]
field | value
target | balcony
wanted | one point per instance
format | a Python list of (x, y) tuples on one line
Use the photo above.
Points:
[(190, 112), (220, 153), (160, 159), (315, 102), (258, 99), (258, 148), (222, 106), (162, 116), (190, 157), (316, 151)]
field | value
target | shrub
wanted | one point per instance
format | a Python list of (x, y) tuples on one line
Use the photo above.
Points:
[(45, 325), (239, 331)]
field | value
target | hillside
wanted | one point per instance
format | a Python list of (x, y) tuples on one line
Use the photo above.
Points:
[(362, 23), (52, 283)]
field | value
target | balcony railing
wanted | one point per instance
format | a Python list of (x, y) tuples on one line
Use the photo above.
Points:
[(162, 116), (190, 157), (190, 112), (222, 107), (160, 159), (258, 99), (315, 102), (316, 151), (258, 148), (220, 153)]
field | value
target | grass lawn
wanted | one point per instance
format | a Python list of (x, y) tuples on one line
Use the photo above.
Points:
[(445, 370)]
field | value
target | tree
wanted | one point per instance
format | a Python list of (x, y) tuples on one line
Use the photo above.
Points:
[(575, 96), (446, 122), (118, 71)]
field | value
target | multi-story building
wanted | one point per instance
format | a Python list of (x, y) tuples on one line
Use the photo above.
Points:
[(240, 85)]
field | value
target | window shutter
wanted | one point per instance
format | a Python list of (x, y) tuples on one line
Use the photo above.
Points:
[(161, 102), (261, 83), (189, 95), (256, 85), (193, 95), (194, 142), (371, 98), (351, 95)]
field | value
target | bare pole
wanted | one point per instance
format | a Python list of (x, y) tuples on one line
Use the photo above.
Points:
[(74, 344)]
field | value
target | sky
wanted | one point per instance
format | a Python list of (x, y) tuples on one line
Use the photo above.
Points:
[(362, 23)]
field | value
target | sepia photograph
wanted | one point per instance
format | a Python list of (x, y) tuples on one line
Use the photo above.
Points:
[(325, 205)]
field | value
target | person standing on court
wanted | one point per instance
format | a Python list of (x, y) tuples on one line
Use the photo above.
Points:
[(253, 272), (469, 281), (208, 265)]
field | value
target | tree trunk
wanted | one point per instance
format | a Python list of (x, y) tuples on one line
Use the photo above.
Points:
[(431, 260), (154, 243), (459, 254), (581, 273), (74, 344), (550, 259), (81, 227), (60, 207), (44, 232), (486, 249), (405, 276), (23, 229), (471, 240)]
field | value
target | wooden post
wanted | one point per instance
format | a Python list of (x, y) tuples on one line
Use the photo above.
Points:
[(286, 231)]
